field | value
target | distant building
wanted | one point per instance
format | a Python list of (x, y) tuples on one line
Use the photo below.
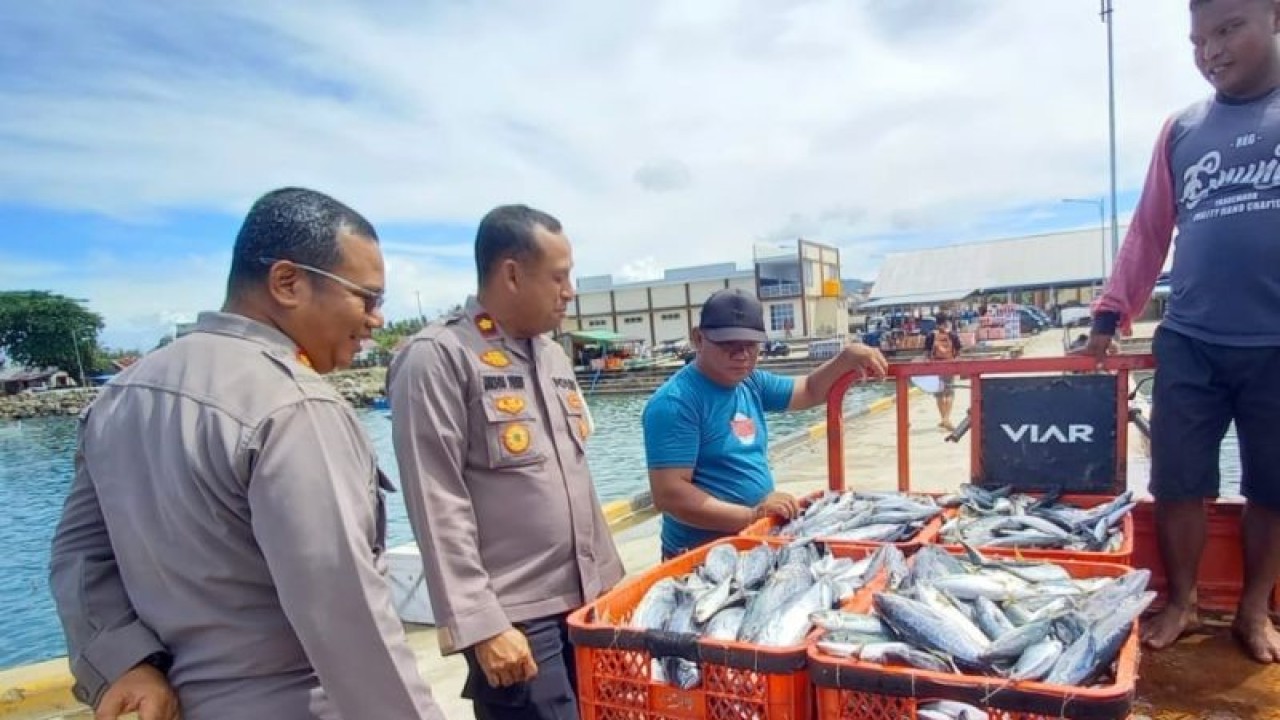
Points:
[(1051, 269), (797, 283), (15, 379)]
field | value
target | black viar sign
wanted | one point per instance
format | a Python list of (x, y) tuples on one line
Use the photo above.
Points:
[(1043, 432)]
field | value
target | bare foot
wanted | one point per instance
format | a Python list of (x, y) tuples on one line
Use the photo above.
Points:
[(946, 425), (1259, 638), (1168, 625)]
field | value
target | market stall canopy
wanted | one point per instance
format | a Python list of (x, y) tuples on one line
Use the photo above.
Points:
[(918, 299), (600, 336)]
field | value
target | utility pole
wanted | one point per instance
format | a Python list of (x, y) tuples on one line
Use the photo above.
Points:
[(79, 364), (1106, 13), (421, 317)]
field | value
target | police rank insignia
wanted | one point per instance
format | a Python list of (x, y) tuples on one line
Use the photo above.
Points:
[(495, 358), (304, 358), (583, 430), (509, 404), (486, 325), (574, 400), (516, 439)]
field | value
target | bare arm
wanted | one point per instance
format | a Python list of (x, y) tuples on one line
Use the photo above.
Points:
[(811, 390), (675, 494)]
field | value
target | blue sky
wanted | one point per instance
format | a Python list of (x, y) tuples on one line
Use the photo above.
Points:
[(663, 133)]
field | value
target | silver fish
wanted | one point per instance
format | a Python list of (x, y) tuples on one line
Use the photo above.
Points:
[(720, 563), (791, 623), (991, 619), (1014, 643), (992, 587), (685, 673), (838, 648), (656, 606), (885, 653), (786, 581), (847, 621), (754, 567), (939, 601), (725, 624), (712, 601), (1037, 660), (924, 627)]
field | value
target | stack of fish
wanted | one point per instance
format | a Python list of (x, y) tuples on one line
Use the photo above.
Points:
[(762, 596), (868, 517), (1013, 619), (1000, 518)]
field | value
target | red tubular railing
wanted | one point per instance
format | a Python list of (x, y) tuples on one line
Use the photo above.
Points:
[(901, 373)]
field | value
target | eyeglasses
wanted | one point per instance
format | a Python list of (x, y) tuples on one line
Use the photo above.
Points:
[(737, 347), (372, 298)]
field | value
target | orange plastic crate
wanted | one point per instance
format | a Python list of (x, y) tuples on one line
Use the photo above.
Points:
[(1221, 577), (738, 680), (850, 689), (1123, 556), (763, 528)]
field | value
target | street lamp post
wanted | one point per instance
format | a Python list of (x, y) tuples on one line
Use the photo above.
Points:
[(1102, 226), (1106, 13), (79, 364)]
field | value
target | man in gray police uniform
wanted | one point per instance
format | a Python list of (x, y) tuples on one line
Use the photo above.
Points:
[(490, 432), (226, 521)]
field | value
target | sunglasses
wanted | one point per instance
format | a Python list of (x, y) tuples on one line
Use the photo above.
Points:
[(737, 347), (372, 298)]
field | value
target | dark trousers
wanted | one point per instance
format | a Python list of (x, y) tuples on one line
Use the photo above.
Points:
[(1199, 390), (551, 695)]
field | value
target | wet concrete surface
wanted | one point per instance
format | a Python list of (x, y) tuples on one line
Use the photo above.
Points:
[(1207, 675)]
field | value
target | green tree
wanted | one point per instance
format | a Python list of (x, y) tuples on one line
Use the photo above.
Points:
[(39, 329)]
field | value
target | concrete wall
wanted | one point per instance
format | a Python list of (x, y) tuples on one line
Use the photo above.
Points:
[(594, 303), (671, 325), (827, 317), (598, 322), (635, 326), (701, 290), (669, 296), (746, 283), (633, 300)]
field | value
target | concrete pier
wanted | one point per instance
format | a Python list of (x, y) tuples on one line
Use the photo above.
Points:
[(1241, 690)]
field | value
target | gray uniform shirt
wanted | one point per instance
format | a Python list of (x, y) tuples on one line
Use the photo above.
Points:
[(227, 508), (490, 435)]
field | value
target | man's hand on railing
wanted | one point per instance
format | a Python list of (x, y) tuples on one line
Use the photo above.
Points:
[(1100, 345), (867, 359)]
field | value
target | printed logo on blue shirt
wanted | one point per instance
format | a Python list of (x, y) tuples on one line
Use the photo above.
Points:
[(744, 428)]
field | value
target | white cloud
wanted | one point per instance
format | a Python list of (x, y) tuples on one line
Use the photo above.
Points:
[(757, 121), (645, 268)]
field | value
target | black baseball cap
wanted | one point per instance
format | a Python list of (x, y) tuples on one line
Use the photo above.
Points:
[(732, 315)]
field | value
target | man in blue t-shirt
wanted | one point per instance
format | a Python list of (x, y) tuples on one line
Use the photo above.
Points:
[(705, 434)]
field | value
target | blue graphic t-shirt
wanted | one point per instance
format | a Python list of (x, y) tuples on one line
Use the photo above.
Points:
[(720, 432), (1224, 156)]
